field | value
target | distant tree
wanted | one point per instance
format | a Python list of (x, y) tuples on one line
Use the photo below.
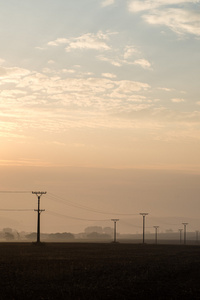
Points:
[(7, 229), (61, 236), (9, 236), (108, 230), (96, 235), (31, 236), (91, 229)]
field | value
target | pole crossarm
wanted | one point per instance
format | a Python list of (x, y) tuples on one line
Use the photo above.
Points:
[(39, 193)]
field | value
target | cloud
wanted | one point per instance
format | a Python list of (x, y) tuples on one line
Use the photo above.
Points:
[(144, 5), (143, 63), (129, 51), (177, 100), (86, 41), (115, 62), (109, 75), (1, 61), (107, 2), (12, 73), (170, 13), (71, 71), (51, 62), (89, 41), (165, 89), (178, 20), (52, 104), (58, 42)]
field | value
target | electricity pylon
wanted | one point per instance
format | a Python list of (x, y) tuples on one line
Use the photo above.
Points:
[(185, 224), (115, 231), (143, 216), (156, 234), (38, 194)]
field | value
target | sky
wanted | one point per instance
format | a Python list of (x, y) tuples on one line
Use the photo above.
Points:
[(100, 107)]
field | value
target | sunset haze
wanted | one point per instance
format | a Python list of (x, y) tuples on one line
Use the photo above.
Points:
[(100, 107)]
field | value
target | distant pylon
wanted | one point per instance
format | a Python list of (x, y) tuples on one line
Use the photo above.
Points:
[(156, 234), (115, 230), (143, 217), (38, 194), (197, 236), (180, 230), (185, 224)]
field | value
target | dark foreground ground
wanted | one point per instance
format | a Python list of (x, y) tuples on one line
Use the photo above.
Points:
[(99, 271)]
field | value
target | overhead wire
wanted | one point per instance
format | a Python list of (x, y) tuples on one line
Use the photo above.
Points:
[(129, 224), (10, 192), (5, 209), (74, 218), (84, 207)]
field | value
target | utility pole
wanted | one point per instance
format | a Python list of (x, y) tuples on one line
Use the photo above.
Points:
[(156, 234), (180, 230), (197, 236), (115, 231), (143, 216), (38, 194), (185, 224)]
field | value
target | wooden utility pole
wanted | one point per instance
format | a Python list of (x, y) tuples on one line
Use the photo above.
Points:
[(156, 234), (38, 194), (143, 217), (115, 230)]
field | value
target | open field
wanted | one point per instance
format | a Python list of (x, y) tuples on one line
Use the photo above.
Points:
[(99, 271)]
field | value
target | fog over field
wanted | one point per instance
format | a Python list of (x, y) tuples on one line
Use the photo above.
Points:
[(81, 197)]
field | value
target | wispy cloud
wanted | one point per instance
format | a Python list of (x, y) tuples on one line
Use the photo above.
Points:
[(144, 5), (12, 72), (129, 51), (109, 75), (107, 2), (85, 41), (165, 89), (113, 61), (177, 100), (179, 19), (1, 61), (58, 42), (143, 63)]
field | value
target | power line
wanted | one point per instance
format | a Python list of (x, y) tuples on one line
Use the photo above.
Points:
[(74, 218), (16, 209), (129, 224), (10, 192), (74, 204)]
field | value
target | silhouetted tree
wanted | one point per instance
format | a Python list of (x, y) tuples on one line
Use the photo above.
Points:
[(61, 236), (9, 236), (91, 229), (96, 235), (31, 236)]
